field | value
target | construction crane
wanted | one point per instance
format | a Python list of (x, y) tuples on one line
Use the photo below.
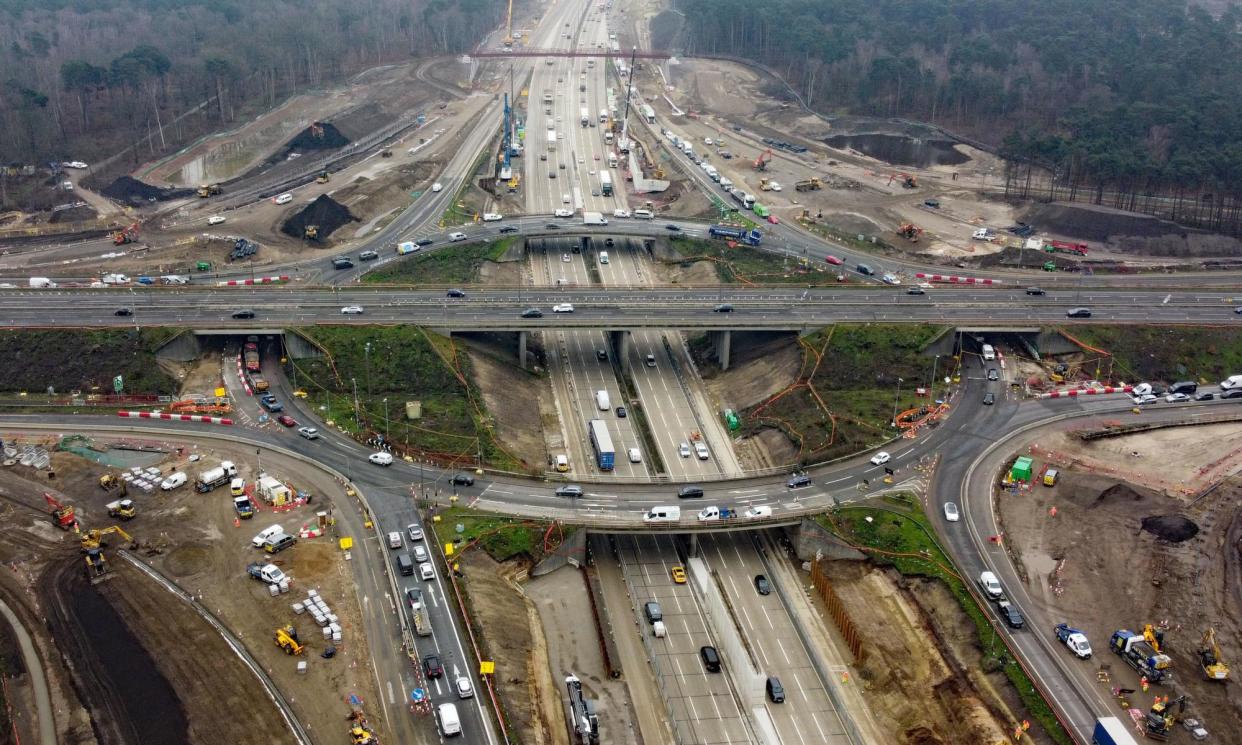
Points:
[(1210, 658), (128, 234), (287, 639), (761, 163), (63, 515), (93, 539), (509, 27)]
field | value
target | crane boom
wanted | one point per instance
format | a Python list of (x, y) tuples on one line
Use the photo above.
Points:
[(509, 26)]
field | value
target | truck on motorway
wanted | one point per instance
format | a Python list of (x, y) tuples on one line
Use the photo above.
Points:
[(751, 237), (648, 113), (407, 247), (551, 140), (584, 116), (594, 218), (605, 183), (612, 160), (1139, 654), (601, 396), (726, 183), (1111, 731), (748, 200), (760, 210), (605, 454), (418, 613), (213, 477)]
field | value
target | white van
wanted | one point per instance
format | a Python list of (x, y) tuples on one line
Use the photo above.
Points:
[(285, 198), (643, 215), (454, 237), (758, 511), (989, 352), (380, 459), (659, 514), (601, 400), (450, 723), (492, 216), (1231, 382), (566, 199), (603, 257), (267, 534), (173, 481), (394, 539)]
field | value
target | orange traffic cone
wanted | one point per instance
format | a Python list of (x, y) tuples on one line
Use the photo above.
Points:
[(236, 522)]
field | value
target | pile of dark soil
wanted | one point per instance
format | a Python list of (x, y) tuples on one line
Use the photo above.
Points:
[(901, 150), (132, 191), (325, 212), (1171, 528), (74, 214), (319, 136), (1117, 493)]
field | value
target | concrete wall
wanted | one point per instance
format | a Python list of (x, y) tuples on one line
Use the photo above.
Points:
[(183, 347), (298, 347)]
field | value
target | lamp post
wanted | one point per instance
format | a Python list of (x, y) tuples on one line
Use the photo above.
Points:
[(896, 400), (385, 419), (931, 384), (366, 350), (356, 422)]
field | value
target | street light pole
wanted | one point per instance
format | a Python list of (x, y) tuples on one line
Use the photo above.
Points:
[(896, 399), (931, 386), (356, 422), (385, 419), (367, 352)]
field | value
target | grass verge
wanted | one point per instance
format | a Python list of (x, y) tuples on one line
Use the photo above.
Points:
[(747, 265), (501, 537), (901, 530), (457, 264), (1165, 353)]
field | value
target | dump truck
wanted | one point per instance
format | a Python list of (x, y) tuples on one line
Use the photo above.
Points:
[(1074, 639), (268, 573), (209, 190), (122, 508), (1139, 654), (418, 612), (810, 184), (218, 476), (751, 236), (251, 355)]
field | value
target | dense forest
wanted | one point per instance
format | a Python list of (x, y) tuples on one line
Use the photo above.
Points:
[(81, 77), (1125, 97)]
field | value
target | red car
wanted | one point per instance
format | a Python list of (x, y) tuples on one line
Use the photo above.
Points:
[(833, 260), (286, 420), (772, 219)]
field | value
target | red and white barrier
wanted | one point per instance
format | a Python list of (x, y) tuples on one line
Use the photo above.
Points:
[(954, 279), (1074, 392), (175, 417), (256, 281), (241, 375)]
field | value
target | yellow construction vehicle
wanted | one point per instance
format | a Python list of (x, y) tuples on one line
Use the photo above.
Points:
[(96, 566), (765, 184), (810, 184), (93, 539), (311, 233), (1154, 636), (1209, 658), (209, 190), (323, 177), (112, 482), (359, 735), (287, 639)]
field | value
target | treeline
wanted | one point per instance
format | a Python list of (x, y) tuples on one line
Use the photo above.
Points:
[(84, 77), (1116, 95)]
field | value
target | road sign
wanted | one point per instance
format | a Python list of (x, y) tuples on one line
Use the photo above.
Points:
[(118, 383), (418, 695), (487, 667)]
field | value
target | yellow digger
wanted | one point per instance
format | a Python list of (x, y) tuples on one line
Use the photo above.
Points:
[(93, 539), (1209, 658), (287, 639)]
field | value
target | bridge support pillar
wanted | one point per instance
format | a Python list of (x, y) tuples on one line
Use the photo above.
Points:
[(722, 341), (693, 548), (620, 343), (522, 349)]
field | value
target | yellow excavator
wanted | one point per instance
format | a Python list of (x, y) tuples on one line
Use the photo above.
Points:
[(287, 639), (1154, 636), (93, 539), (1209, 658)]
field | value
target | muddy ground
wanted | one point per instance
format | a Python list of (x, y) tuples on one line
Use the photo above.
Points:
[(511, 396), (921, 675), (1127, 547), (192, 539)]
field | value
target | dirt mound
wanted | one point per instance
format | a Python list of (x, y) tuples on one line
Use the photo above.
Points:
[(1117, 493), (81, 213), (318, 136), (1171, 528), (325, 212), (921, 736), (132, 191)]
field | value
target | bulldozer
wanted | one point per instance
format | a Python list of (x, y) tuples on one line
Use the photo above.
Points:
[(96, 566), (63, 515), (1210, 659), (287, 639), (323, 177), (810, 184), (311, 233), (208, 190), (92, 539), (910, 232)]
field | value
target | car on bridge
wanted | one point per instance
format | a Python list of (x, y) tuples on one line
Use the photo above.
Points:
[(762, 586), (569, 490), (352, 310), (679, 575), (563, 308), (508, 229), (563, 212), (455, 293), (124, 312), (950, 512), (243, 314), (532, 313), (1078, 313)]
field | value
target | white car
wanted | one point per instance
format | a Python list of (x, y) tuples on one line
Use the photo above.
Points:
[(1142, 389), (492, 217), (464, 688), (415, 532), (636, 455), (565, 258), (1145, 398), (309, 433), (352, 310), (74, 164), (426, 571), (707, 141), (950, 512), (890, 279), (774, 186), (215, 220), (880, 458), (991, 585), (563, 308), (455, 237), (620, 213), (701, 450), (437, 186), (563, 212), (684, 449)]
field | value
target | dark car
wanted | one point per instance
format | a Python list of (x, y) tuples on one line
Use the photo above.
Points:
[(601, 355), (243, 314), (432, 667), (1011, 614), (287, 420), (569, 490), (1035, 291), (673, 228), (123, 312), (532, 313), (989, 398), (1078, 313), (800, 480), (621, 413), (762, 586), (342, 262), (423, 242), (455, 293), (711, 659), (271, 405), (865, 269), (696, 492), (723, 308), (1205, 396), (776, 692), (933, 203), (1184, 386), (462, 479), (552, 226), (993, 374), (508, 229)]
